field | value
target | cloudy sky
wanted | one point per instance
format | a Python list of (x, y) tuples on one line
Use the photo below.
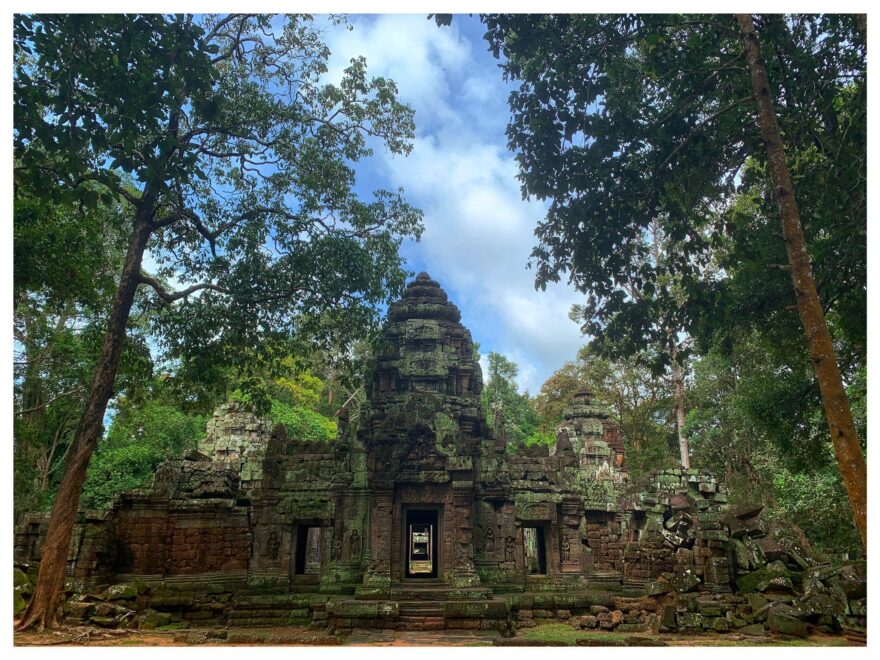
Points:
[(478, 231)]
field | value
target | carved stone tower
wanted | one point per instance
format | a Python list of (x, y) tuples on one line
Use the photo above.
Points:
[(421, 429), (593, 433)]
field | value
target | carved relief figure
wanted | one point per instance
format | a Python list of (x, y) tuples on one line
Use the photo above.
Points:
[(489, 544), (354, 545), (273, 545), (565, 549), (509, 544), (336, 549)]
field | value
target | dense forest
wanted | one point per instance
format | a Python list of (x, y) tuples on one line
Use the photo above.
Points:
[(157, 156)]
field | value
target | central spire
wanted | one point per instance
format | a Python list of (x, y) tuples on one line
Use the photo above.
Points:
[(424, 346), (424, 299)]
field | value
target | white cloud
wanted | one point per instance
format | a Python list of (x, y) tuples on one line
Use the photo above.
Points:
[(478, 231)]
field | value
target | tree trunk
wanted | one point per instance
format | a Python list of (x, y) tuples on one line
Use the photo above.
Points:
[(32, 396), (42, 611), (679, 423), (678, 385), (850, 458)]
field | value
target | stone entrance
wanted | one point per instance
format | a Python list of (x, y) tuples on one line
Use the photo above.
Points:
[(421, 527)]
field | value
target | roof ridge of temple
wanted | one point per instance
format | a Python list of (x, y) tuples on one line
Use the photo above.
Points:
[(424, 298)]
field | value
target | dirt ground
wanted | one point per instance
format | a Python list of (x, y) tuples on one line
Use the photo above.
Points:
[(89, 636)]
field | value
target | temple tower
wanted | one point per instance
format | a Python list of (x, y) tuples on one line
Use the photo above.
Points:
[(421, 428)]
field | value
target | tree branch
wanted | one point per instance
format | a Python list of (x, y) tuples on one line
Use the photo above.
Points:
[(173, 296), (50, 401), (700, 125)]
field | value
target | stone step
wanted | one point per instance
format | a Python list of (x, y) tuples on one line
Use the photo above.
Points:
[(247, 613), (422, 622), (425, 611), (422, 604), (423, 595)]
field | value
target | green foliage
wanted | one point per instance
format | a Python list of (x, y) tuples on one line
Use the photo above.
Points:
[(303, 423), (501, 393), (625, 121), (223, 131), (141, 436), (756, 419), (817, 502), (65, 255)]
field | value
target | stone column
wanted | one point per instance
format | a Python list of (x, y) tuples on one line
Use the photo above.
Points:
[(464, 573), (377, 579), (569, 537)]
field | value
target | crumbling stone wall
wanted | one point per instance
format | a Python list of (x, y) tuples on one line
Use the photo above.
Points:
[(682, 531), (237, 438)]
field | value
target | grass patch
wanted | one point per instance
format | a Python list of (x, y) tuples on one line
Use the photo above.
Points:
[(181, 625), (564, 635)]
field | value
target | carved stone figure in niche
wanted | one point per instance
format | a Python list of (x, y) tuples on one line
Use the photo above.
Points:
[(489, 544), (354, 545), (509, 544), (336, 548), (565, 549), (273, 545)]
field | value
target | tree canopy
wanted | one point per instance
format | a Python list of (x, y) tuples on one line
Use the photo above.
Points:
[(719, 131), (231, 158)]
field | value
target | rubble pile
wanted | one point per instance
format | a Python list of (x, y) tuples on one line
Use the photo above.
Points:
[(779, 586)]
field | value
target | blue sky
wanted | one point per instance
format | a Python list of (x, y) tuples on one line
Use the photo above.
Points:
[(478, 230)]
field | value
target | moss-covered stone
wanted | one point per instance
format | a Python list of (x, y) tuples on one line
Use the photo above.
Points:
[(774, 574), (128, 591), (18, 603), (785, 624), (476, 610)]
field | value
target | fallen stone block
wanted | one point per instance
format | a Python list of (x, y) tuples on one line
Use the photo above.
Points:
[(754, 629), (785, 624)]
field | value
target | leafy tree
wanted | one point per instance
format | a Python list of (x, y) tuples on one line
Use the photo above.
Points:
[(501, 396), (557, 392), (243, 192), (144, 432), (624, 120), (64, 266), (756, 419), (298, 400)]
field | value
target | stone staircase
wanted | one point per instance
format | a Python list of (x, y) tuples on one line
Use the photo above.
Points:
[(422, 604), (433, 590), (422, 615), (252, 610)]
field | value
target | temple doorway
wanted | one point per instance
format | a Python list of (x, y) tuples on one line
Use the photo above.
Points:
[(421, 552), (535, 550), (307, 550)]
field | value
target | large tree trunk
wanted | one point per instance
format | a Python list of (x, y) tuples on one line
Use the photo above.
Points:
[(850, 458), (42, 611), (683, 446), (678, 387)]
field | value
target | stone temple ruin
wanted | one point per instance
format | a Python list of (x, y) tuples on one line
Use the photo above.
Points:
[(421, 516)]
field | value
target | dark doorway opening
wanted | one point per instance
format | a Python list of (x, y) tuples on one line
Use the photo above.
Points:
[(421, 543), (535, 548), (307, 553)]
